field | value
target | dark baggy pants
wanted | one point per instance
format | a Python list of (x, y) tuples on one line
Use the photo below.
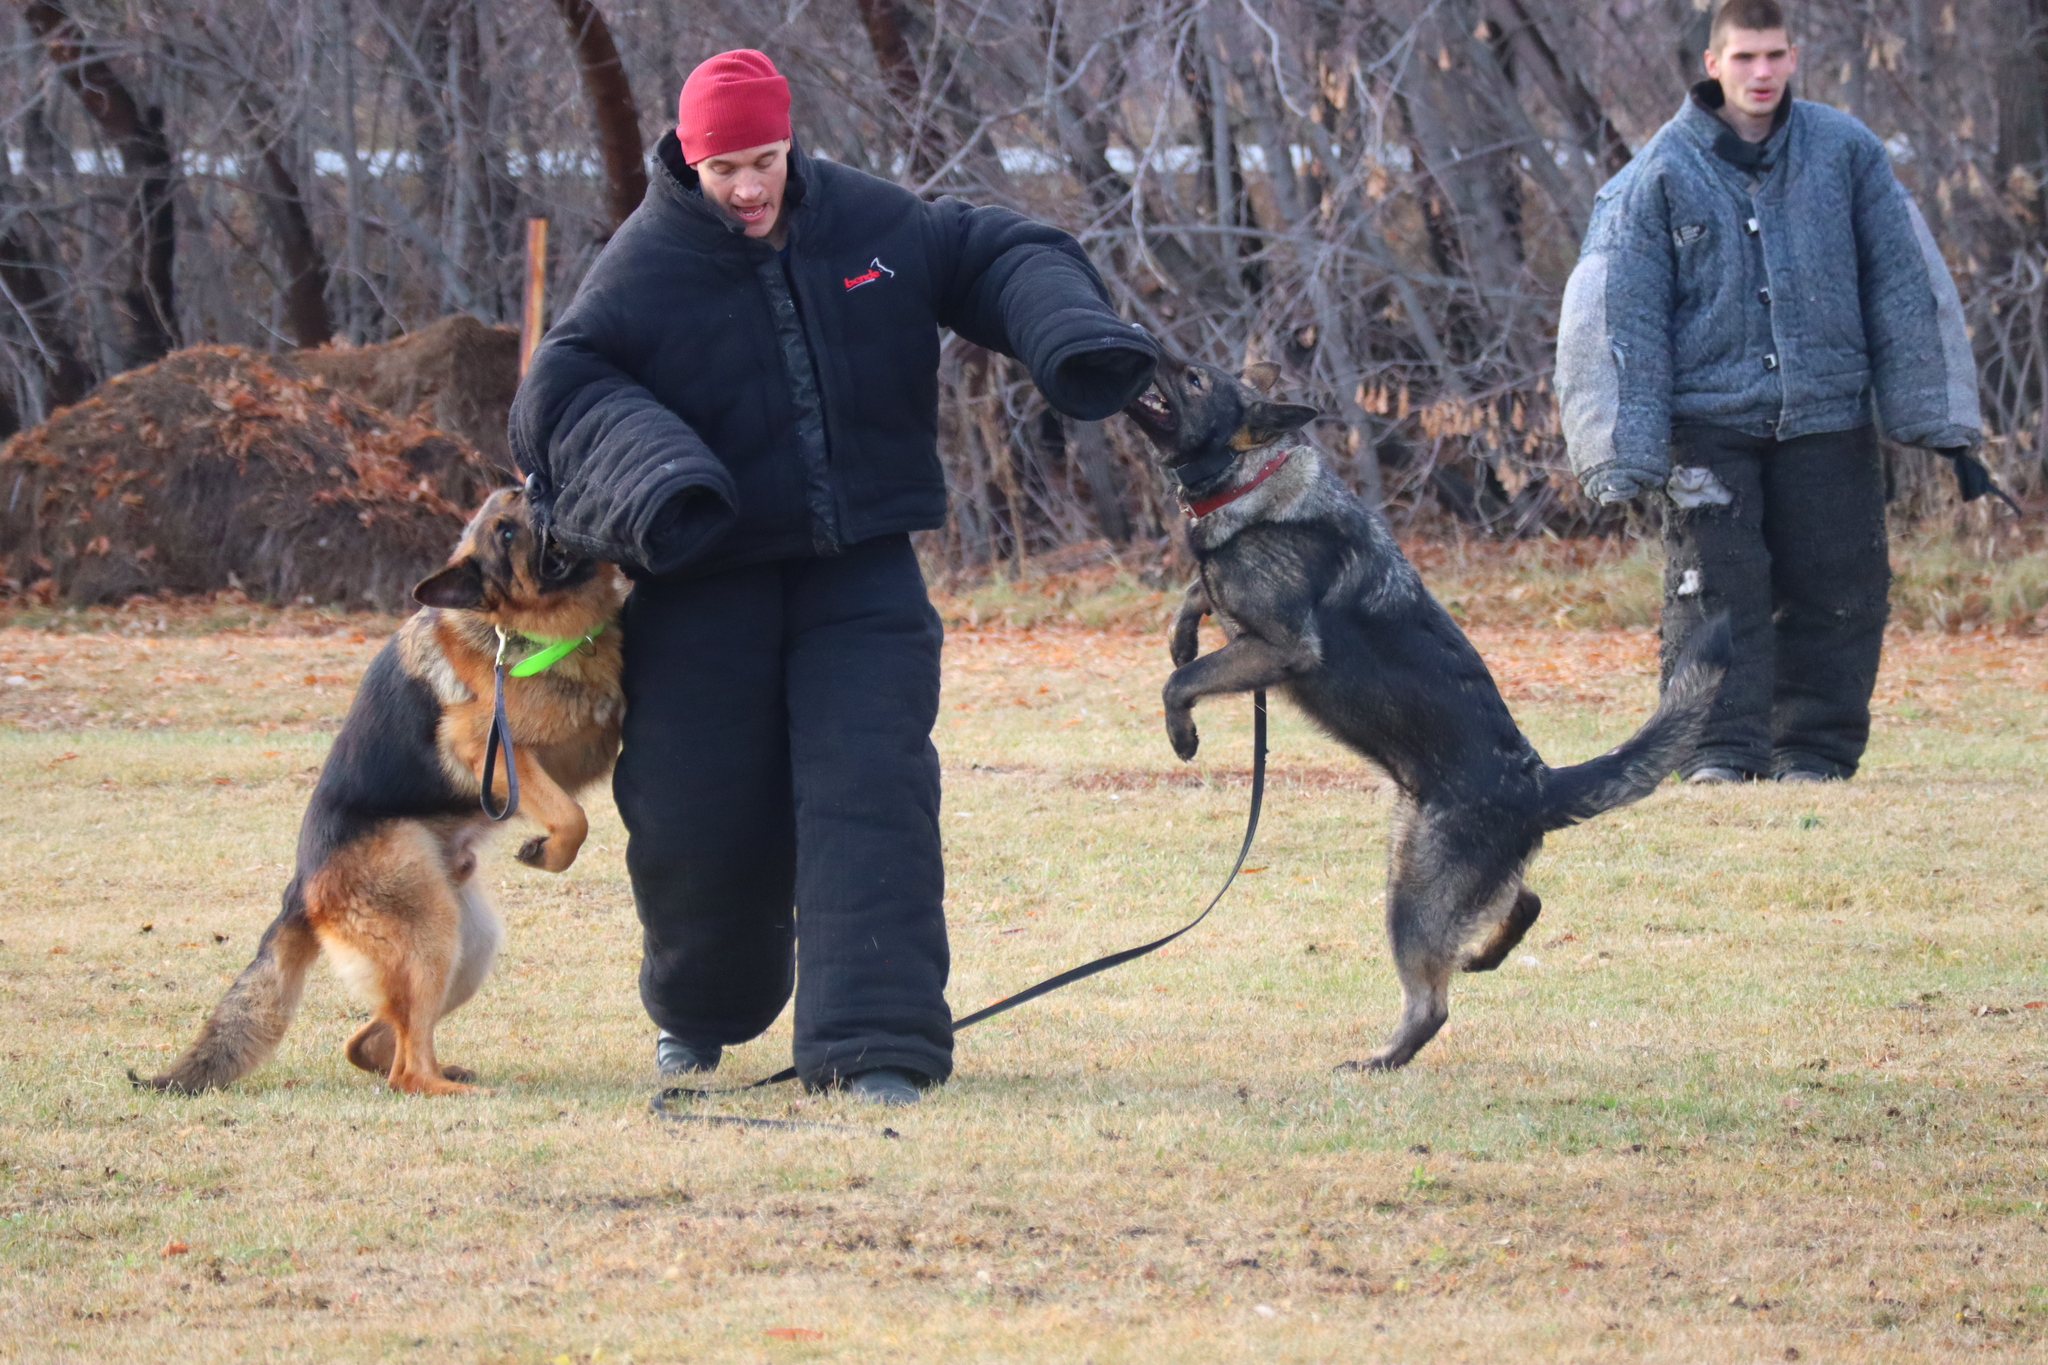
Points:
[(781, 799), (1798, 562)]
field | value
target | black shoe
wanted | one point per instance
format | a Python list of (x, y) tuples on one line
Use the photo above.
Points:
[(1715, 776), (1806, 775), (884, 1085), (675, 1056)]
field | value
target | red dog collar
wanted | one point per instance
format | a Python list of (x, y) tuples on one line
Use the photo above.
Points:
[(1197, 510)]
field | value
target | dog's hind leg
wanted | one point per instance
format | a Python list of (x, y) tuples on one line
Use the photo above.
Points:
[(1434, 889), (1425, 971), (375, 1046), (393, 923), (481, 934), (1508, 933)]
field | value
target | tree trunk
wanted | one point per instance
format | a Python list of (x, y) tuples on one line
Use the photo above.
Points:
[(1568, 93), (2021, 83), (885, 21), (284, 210), (1693, 26), (612, 110), (1091, 451), (27, 272), (418, 33), (138, 133), (1222, 185)]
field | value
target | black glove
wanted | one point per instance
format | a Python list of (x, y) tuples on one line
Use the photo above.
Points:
[(1973, 480)]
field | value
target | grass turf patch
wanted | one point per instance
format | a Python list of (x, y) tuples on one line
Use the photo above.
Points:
[(1766, 1078)]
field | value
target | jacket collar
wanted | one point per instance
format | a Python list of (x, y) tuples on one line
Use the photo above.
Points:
[(1702, 122), (678, 185)]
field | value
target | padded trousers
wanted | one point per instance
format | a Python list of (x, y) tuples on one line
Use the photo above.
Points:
[(1798, 561), (781, 799)]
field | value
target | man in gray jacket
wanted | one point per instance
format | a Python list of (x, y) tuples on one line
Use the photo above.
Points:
[(1753, 284)]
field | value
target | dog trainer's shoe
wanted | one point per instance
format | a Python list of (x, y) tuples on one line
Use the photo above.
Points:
[(1806, 775), (675, 1056), (1714, 777), (885, 1085)]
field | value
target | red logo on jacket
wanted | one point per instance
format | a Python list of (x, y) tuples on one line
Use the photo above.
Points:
[(874, 272)]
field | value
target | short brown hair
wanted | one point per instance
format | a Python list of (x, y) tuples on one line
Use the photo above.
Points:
[(1758, 16)]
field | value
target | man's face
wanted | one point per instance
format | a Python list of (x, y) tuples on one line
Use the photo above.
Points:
[(1753, 67), (748, 184)]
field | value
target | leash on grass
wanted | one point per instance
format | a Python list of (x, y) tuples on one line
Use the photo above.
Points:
[(659, 1104)]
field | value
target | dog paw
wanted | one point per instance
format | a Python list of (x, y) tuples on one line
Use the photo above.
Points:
[(434, 1085), (1379, 1061), (1180, 731), (547, 852), (460, 1074)]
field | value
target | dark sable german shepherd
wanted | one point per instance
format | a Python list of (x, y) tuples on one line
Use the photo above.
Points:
[(387, 852), (1319, 602)]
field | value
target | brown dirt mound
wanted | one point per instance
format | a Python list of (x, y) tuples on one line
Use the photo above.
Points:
[(221, 468), (454, 374)]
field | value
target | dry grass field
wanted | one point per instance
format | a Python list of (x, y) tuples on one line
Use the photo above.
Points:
[(1765, 1083)]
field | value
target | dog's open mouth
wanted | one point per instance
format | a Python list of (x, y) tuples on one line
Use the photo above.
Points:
[(1151, 404)]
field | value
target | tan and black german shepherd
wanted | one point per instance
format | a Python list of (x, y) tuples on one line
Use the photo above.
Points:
[(1319, 602), (388, 849)]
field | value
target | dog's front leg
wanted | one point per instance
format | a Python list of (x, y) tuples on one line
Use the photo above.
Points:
[(1243, 665), (543, 798), (1187, 624)]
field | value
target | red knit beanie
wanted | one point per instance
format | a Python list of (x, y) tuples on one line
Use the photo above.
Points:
[(731, 102)]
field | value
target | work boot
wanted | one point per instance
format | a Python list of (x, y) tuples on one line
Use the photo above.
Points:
[(675, 1056), (884, 1085)]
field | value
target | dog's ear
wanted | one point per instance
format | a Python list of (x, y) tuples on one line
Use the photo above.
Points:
[(1262, 375), (1265, 423), (459, 587)]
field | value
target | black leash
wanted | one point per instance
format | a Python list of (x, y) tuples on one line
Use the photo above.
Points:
[(501, 731), (659, 1104)]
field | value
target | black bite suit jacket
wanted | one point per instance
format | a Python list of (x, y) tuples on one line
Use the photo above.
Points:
[(706, 401)]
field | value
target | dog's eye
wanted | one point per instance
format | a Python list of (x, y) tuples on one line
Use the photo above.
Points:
[(1194, 380), (508, 534)]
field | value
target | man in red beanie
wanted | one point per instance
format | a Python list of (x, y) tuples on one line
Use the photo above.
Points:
[(741, 408)]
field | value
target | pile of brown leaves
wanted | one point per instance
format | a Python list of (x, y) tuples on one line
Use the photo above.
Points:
[(219, 468)]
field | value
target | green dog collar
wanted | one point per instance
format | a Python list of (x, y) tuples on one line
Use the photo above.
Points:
[(551, 653)]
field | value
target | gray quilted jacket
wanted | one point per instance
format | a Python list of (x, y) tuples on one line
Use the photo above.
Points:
[(1774, 300)]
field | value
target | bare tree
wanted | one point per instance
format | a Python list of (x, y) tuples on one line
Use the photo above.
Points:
[(612, 111), (1384, 195), (137, 132)]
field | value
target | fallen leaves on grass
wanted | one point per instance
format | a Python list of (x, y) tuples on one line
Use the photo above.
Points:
[(796, 1334), (174, 1248)]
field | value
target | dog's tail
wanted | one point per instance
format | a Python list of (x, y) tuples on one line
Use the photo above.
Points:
[(1632, 771), (250, 1020)]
